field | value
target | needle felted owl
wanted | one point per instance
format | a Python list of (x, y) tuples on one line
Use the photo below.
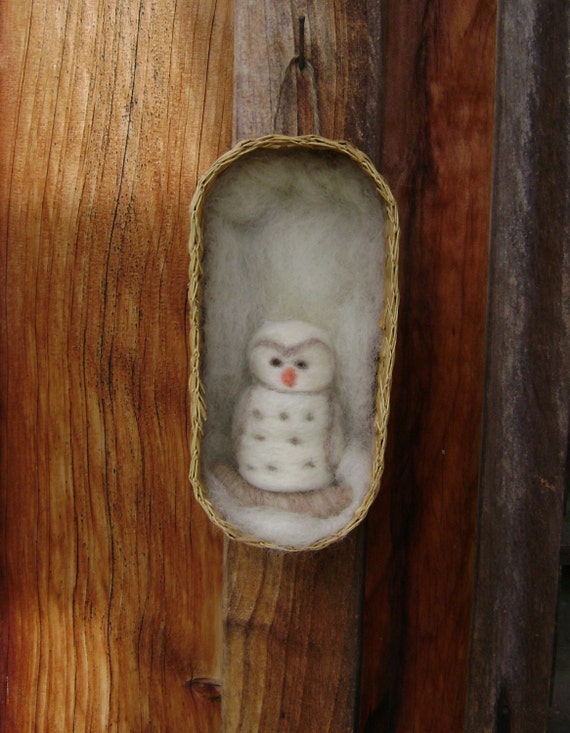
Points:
[(287, 429)]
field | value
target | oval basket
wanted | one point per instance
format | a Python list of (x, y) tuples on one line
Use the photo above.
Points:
[(197, 342)]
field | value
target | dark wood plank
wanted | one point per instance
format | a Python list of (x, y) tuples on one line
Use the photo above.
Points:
[(110, 575), (292, 621), (437, 156), (527, 392)]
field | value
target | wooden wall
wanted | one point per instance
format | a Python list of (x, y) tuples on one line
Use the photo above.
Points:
[(437, 151), (527, 394), (292, 622), (110, 577)]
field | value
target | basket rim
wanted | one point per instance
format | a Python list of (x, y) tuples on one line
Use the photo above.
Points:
[(387, 326)]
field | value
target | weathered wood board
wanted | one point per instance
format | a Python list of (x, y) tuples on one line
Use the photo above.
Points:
[(437, 121), (527, 395), (110, 576), (292, 622)]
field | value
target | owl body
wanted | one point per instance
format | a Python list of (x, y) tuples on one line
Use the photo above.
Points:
[(287, 427)]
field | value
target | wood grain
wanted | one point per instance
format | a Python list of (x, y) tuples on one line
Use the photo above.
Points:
[(527, 394), (292, 622), (110, 576), (437, 150), (343, 43), (291, 638)]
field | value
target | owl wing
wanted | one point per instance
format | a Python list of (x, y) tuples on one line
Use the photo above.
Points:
[(336, 442), (240, 413)]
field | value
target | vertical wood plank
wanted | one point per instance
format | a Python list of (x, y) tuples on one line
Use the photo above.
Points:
[(343, 42), (292, 638), (527, 396), (436, 154), (110, 579), (292, 621)]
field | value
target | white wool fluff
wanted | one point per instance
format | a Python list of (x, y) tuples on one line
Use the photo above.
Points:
[(292, 236)]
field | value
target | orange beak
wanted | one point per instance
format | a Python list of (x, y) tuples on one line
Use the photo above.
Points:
[(289, 377)]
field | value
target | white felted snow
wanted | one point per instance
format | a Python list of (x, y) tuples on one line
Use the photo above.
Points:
[(287, 529), (292, 235)]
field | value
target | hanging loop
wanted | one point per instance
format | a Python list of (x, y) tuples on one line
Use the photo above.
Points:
[(301, 56), (307, 71)]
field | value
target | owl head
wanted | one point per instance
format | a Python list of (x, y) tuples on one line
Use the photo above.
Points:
[(292, 356)]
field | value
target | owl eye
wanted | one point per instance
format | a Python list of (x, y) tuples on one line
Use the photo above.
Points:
[(301, 364), (275, 362)]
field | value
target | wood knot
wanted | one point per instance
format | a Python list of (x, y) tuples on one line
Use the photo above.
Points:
[(205, 688)]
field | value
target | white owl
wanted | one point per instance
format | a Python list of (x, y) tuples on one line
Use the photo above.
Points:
[(287, 429)]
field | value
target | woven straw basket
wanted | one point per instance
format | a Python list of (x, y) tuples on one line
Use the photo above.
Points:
[(387, 332)]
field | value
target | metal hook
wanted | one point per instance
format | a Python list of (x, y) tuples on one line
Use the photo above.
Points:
[(301, 57)]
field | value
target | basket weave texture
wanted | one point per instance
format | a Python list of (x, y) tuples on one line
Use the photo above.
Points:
[(388, 324)]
